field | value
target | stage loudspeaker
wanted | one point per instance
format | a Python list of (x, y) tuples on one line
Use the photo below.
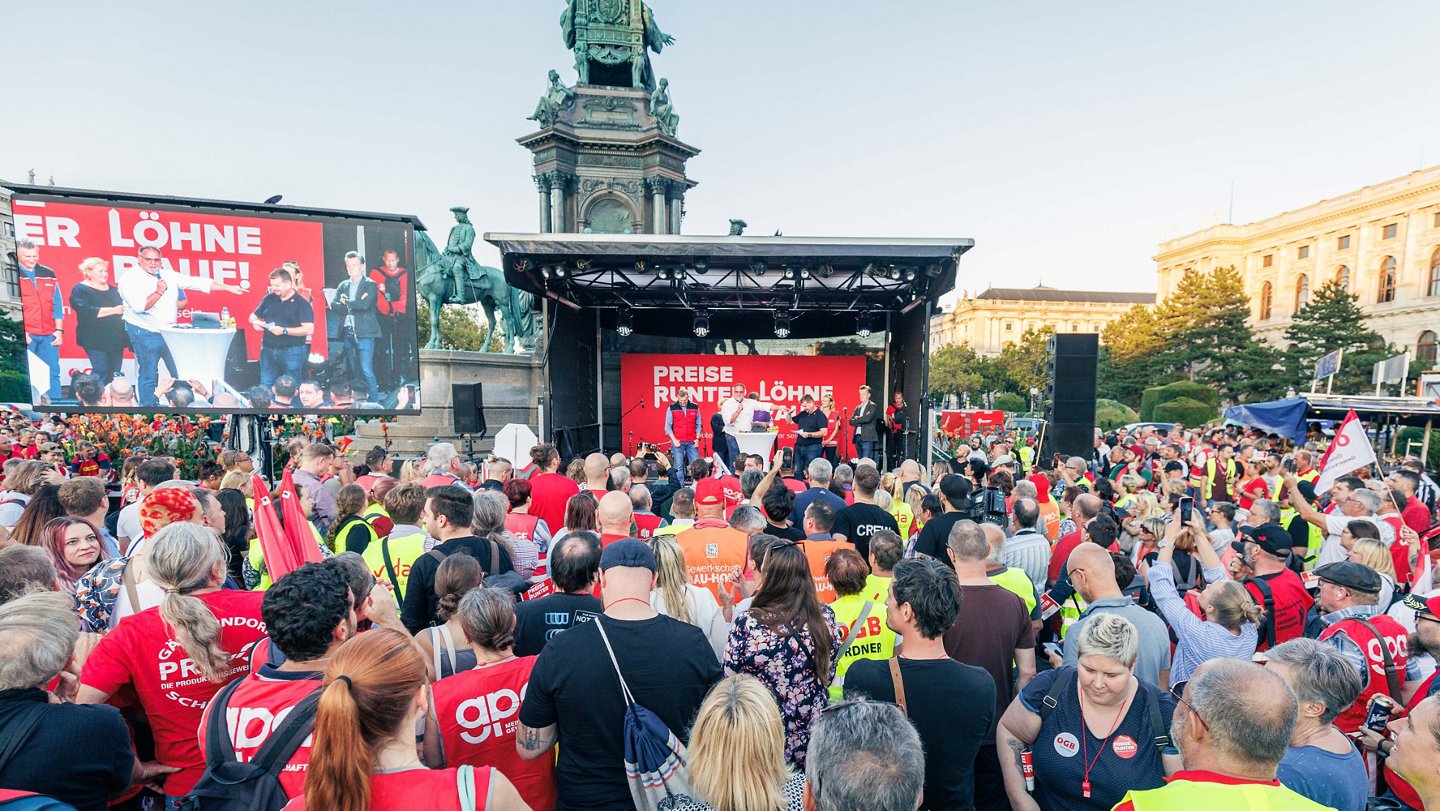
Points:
[(469, 408), (1070, 401)]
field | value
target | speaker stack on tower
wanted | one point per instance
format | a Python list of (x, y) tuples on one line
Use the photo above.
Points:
[(469, 409), (1070, 396)]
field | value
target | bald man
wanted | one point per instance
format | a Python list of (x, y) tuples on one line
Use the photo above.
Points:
[(614, 513), (597, 473), (1084, 510), (1232, 727), (910, 477), (1091, 570)]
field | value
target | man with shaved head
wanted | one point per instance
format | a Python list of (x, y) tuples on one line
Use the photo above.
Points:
[(1084, 510), (597, 473), (1091, 571), (614, 513), (1232, 727), (910, 477)]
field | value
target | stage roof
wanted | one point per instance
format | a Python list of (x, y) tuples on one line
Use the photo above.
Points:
[(1289, 417), (824, 283)]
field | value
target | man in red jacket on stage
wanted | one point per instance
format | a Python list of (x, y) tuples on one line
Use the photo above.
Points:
[(682, 425), (397, 323)]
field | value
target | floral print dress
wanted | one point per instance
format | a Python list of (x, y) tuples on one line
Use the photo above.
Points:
[(782, 661)]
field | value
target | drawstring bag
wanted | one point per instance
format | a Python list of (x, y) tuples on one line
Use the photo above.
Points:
[(655, 760)]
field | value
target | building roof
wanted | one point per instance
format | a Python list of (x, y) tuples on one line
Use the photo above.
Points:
[(1049, 294)]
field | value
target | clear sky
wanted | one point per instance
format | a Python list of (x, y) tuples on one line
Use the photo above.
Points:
[(1065, 138)]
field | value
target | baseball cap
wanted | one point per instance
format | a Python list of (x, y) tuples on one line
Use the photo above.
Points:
[(1354, 576), (1423, 605), (1003, 459), (631, 553), (709, 493), (1270, 537), (1174, 465)]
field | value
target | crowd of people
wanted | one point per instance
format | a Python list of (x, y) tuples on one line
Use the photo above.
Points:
[(1179, 619)]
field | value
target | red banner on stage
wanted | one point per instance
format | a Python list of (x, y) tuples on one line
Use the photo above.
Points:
[(650, 383), (968, 422)]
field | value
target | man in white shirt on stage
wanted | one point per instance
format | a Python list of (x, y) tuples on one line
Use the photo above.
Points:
[(738, 412)]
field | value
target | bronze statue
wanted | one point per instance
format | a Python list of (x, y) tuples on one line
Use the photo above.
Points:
[(455, 276), (611, 21), (663, 110), (557, 98)]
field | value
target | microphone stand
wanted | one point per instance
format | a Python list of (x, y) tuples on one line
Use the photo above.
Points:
[(631, 440)]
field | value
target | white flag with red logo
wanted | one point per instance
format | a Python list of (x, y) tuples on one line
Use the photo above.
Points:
[(1349, 452)]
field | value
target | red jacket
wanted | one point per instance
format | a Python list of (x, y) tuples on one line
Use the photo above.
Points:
[(1395, 638), (38, 300), (394, 295)]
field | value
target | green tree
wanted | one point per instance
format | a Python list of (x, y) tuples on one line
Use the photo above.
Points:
[(1024, 362), (12, 333), (1222, 350), (953, 370), (1131, 355), (459, 329), (1332, 320)]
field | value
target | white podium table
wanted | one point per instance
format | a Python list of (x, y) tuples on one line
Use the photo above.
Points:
[(200, 352), (760, 443)]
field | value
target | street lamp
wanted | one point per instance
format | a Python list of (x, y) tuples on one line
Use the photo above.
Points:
[(1034, 392)]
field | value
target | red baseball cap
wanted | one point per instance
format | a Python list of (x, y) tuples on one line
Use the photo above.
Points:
[(709, 493)]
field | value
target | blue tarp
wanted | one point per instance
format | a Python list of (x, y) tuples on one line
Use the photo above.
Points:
[(1283, 417)]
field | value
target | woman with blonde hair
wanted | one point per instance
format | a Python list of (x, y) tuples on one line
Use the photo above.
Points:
[(1374, 553), (676, 597), (238, 480), (894, 502), (409, 471), (364, 757), (737, 752), (177, 656)]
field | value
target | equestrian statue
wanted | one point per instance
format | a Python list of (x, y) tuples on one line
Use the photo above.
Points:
[(455, 277)]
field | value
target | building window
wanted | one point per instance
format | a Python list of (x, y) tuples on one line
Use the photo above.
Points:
[(1009, 326), (1267, 260), (1074, 327), (1425, 348), (1389, 231), (1387, 281), (1342, 278), (1435, 223), (1303, 252), (10, 229), (1267, 298), (12, 280), (1433, 288), (1344, 242), (1302, 292)]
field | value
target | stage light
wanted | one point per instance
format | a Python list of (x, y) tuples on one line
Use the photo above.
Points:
[(934, 270), (862, 325), (662, 273), (894, 273), (909, 274), (825, 270), (758, 268), (782, 324), (701, 327), (545, 271), (559, 271), (625, 322), (788, 274), (701, 267), (804, 273), (871, 269)]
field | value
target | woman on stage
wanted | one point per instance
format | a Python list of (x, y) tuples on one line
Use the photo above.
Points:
[(830, 448)]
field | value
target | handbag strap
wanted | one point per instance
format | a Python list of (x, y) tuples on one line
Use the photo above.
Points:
[(624, 688), (899, 682), (856, 626), (465, 787), (283, 742), (1392, 673), (390, 567), (127, 579)]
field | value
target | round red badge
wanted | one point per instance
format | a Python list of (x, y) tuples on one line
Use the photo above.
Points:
[(1124, 746)]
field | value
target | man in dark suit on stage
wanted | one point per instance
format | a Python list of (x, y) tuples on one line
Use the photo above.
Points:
[(866, 421), (355, 304)]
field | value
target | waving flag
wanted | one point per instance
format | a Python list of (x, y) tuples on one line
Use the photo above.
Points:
[(284, 547), (1349, 452)]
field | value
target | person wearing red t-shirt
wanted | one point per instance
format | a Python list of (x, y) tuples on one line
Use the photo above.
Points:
[(1229, 765), (1264, 550), (550, 490), (308, 614), (375, 693), (1085, 508), (478, 710), (1407, 483), (177, 656)]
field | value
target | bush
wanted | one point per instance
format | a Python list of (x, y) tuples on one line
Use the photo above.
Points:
[(1185, 410), (1110, 414), (1147, 403), (1009, 401), (1185, 388), (14, 387)]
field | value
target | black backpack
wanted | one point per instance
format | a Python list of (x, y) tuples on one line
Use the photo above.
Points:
[(230, 785)]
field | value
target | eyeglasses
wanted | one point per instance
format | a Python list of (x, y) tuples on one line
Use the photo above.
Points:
[(1177, 692)]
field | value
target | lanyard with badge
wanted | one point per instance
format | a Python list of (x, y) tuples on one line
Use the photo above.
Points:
[(1085, 760)]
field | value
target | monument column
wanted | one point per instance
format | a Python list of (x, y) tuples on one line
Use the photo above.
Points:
[(677, 200), (542, 183), (656, 188), (558, 181)]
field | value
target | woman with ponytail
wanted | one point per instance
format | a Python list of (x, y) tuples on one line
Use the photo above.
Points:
[(364, 757), (497, 683), (445, 646), (178, 655)]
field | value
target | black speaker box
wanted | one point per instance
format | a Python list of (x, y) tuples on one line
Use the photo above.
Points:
[(469, 406), (1070, 394)]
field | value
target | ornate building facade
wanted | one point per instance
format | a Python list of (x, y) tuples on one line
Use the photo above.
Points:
[(998, 317), (9, 271), (1381, 242)]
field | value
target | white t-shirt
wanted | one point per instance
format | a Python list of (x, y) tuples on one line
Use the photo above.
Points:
[(147, 590), (706, 612), (127, 523), (137, 284), (1332, 552)]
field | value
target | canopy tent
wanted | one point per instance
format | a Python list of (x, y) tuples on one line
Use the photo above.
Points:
[(1288, 417)]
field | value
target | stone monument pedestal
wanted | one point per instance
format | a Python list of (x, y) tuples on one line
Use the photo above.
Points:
[(512, 391)]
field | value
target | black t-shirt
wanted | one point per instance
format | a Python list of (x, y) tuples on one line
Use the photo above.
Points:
[(952, 706), (789, 533), (77, 754), (934, 539), (538, 621), (669, 667), (421, 601), (91, 330), (861, 520), (289, 313), (816, 421)]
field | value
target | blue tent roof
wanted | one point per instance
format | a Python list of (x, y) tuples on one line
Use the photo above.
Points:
[(1283, 417)]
